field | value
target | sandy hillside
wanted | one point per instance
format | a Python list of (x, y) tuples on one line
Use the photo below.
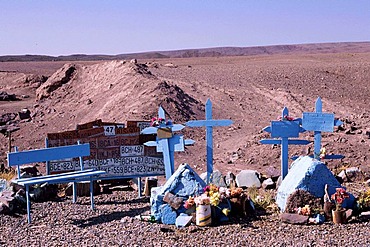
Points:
[(250, 90)]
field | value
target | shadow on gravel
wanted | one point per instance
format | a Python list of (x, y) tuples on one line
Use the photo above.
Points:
[(105, 218), (115, 202)]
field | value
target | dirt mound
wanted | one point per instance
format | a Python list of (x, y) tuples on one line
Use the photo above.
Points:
[(114, 91), (62, 76)]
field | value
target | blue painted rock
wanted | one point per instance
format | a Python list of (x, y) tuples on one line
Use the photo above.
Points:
[(168, 216), (183, 183), (310, 175)]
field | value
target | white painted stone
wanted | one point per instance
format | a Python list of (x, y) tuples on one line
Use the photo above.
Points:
[(248, 178)]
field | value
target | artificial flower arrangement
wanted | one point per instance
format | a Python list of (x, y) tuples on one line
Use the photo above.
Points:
[(212, 195), (322, 153), (338, 197), (155, 122), (286, 118), (364, 200), (306, 210)]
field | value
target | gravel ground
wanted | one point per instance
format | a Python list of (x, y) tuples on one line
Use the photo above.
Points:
[(62, 223)]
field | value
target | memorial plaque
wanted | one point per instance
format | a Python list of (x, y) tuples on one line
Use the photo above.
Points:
[(284, 129), (317, 121)]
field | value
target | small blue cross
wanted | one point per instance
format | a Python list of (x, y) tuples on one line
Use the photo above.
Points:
[(284, 129), (167, 146), (318, 122), (209, 123)]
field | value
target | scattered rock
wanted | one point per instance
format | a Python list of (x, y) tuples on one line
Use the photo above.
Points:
[(365, 215), (295, 219), (367, 182), (170, 65), (4, 96), (183, 220), (24, 114), (248, 178), (230, 180), (268, 184), (216, 178), (351, 174)]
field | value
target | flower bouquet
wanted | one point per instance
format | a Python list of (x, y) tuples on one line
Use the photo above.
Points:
[(156, 122), (211, 203), (339, 214)]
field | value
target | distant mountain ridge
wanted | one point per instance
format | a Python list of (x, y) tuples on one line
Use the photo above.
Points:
[(353, 47)]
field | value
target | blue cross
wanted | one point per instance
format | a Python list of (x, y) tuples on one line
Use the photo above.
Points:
[(284, 129), (318, 122), (209, 123), (167, 146)]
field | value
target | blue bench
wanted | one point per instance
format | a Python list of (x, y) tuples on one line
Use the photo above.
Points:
[(49, 154)]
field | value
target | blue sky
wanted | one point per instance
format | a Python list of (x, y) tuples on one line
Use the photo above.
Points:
[(63, 27)]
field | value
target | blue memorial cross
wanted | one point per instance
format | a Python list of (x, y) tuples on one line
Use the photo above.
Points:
[(285, 129), (209, 123), (167, 143), (318, 121)]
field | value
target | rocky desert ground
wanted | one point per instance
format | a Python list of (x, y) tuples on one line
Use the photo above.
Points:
[(250, 90)]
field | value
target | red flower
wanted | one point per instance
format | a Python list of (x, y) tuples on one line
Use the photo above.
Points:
[(339, 196)]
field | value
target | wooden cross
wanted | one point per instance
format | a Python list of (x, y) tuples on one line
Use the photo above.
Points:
[(209, 123), (166, 142), (318, 121), (285, 129)]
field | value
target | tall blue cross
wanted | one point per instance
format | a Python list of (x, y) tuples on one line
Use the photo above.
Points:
[(209, 123), (167, 144), (285, 129), (318, 121)]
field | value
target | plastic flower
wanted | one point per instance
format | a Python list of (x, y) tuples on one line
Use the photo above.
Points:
[(202, 200), (189, 202), (322, 153), (306, 210), (339, 196), (226, 211), (157, 121), (215, 198)]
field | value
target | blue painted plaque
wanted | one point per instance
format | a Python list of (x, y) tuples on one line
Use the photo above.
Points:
[(318, 121), (284, 129)]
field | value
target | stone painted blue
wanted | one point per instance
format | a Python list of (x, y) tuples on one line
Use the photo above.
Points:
[(310, 175), (168, 215), (183, 183), (209, 123)]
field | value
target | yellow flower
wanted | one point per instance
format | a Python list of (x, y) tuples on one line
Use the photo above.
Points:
[(226, 211)]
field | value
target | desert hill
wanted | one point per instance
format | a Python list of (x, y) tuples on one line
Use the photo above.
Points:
[(352, 47), (250, 90)]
